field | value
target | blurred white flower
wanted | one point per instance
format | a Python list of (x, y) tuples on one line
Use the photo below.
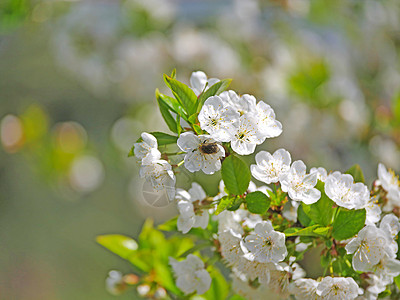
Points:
[(289, 211), (188, 218), (344, 192), (113, 281), (200, 83), (337, 288), (203, 152), (86, 173), (368, 247), (217, 119), (160, 175), (304, 288), (269, 168), (391, 184), (299, 185), (191, 275), (265, 244), (245, 135)]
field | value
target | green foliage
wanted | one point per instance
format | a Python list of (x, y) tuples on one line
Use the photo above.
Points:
[(186, 97), (321, 212), (236, 175), (314, 230), (303, 218), (219, 288), (215, 89), (257, 202), (357, 173), (168, 118), (225, 203), (348, 223)]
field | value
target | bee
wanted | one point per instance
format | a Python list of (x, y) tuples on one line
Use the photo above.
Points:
[(209, 148)]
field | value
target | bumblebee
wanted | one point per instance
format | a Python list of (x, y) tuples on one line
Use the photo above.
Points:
[(209, 148)]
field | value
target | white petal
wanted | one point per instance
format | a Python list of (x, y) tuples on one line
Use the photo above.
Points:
[(187, 141)]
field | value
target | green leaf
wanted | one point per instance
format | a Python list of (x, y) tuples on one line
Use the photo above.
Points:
[(125, 247), (303, 218), (183, 94), (397, 281), (236, 175), (197, 129), (193, 118), (169, 225), (224, 203), (168, 118), (357, 173), (162, 139), (215, 89), (173, 73), (314, 230), (321, 212), (348, 223), (219, 288), (164, 277), (119, 244), (172, 104), (257, 202)]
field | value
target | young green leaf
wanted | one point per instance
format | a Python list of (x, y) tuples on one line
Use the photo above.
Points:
[(303, 218), (348, 223), (172, 104), (168, 118), (219, 288), (236, 175), (119, 244), (183, 94), (321, 212), (224, 203), (314, 230), (357, 173), (257, 202), (213, 90)]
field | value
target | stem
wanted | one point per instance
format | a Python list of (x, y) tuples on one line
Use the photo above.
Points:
[(173, 153), (180, 163)]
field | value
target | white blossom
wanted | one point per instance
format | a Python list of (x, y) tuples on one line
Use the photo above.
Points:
[(114, 281), (188, 218), (269, 168), (242, 104), (265, 244), (391, 184), (289, 211), (231, 250), (160, 175), (337, 288), (368, 247), (299, 185), (344, 192), (200, 83), (322, 174), (304, 288), (147, 149), (245, 135), (390, 224), (218, 120), (191, 275), (203, 152), (268, 125), (373, 211)]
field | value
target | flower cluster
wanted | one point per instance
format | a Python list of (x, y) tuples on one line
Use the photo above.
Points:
[(262, 233)]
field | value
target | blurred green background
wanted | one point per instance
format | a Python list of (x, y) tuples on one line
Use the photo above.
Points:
[(77, 81)]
